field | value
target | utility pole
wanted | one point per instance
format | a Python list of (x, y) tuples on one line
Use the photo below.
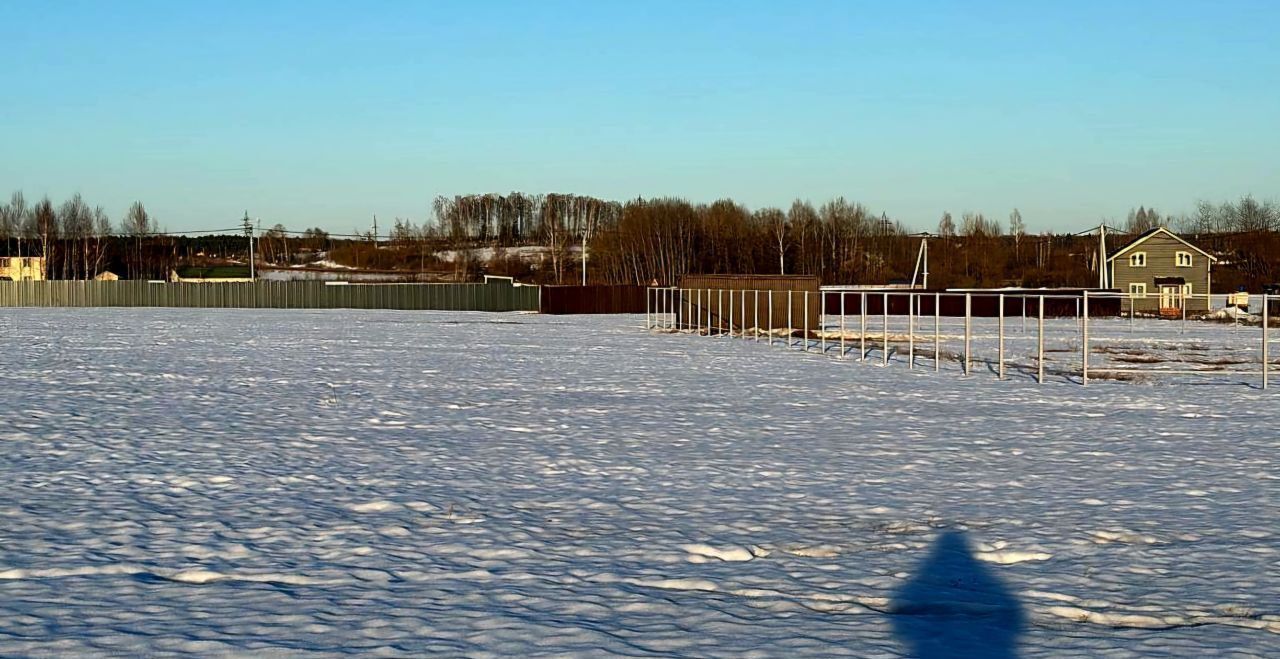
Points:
[(1103, 275), (375, 231), (248, 233)]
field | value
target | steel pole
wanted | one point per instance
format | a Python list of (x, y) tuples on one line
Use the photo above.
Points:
[(806, 321), (1266, 354), (770, 321), (842, 351), (1000, 333), (790, 319), (911, 331), (862, 335), (1084, 335), (968, 329), (885, 328), (755, 311), (1040, 345)]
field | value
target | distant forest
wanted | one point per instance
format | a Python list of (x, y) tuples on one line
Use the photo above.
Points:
[(650, 240)]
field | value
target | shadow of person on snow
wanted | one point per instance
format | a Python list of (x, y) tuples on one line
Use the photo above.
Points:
[(955, 607)]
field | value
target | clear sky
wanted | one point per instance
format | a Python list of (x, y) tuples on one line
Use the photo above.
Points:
[(324, 113)]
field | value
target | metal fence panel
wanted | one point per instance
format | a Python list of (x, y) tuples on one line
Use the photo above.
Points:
[(491, 296)]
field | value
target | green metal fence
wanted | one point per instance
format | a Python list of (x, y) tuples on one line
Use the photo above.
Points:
[(490, 296)]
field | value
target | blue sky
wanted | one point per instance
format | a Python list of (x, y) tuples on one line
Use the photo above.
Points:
[(325, 113)]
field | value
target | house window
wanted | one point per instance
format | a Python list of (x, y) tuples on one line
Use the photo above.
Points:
[(1186, 291), (1138, 260), (1137, 290), (1184, 259)]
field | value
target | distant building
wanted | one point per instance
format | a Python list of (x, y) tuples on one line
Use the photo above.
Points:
[(1162, 273), (21, 268), (222, 274)]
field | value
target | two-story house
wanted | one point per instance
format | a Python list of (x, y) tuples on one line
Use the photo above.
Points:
[(21, 268), (1162, 273)]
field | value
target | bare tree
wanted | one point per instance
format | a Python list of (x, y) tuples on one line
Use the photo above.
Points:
[(1017, 229), (775, 222), (137, 225), (101, 232)]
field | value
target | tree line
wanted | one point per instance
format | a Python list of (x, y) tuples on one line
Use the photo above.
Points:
[(642, 241)]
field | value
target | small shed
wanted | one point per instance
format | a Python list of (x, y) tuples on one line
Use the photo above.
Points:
[(745, 302)]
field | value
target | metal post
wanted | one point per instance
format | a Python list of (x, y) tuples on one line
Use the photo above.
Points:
[(708, 312), (770, 321), (731, 313), (1040, 346), (1000, 335), (806, 321), (937, 332), (911, 330), (1266, 353), (822, 321), (720, 309), (1132, 305), (1077, 314), (790, 321), (742, 329), (862, 334), (755, 310), (842, 352), (1024, 314), (885, 328), (648, 299), (968, 328), (1084, 336)]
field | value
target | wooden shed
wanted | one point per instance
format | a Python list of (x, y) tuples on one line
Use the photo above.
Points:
[(747, 302)]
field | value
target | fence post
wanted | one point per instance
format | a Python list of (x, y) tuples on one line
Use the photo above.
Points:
[(1084, 334), (968, 328), (1024, 314), (885, 329), (708, 312), (937, 332), (842, 351), (822, 321), (720, 309), (1040, 345), (770, 321), (755, 322), (649, 293), (1266, 322), (742, 328), (911, 331), (698, 328), (731, 313), (862, 334), (1000, 333), (686, 300), (790, 320), (806, 321)]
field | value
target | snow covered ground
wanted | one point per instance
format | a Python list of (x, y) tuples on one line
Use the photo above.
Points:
[(214, 482)]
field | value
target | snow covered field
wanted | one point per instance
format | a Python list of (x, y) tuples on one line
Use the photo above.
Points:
[(212, 482)]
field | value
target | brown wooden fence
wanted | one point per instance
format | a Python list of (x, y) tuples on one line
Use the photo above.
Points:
[(593, 299)]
